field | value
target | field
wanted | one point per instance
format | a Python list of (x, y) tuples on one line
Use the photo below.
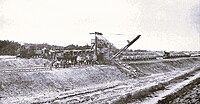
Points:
[(158, 81)]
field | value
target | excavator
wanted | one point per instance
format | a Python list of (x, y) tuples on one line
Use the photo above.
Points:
[(125, 68)]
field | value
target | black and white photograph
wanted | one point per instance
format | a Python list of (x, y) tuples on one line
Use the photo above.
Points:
[(99, 51)]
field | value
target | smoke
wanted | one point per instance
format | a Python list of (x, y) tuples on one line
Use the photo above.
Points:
[(195, 15)]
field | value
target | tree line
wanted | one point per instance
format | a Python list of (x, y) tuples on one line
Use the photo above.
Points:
[(27, 50)]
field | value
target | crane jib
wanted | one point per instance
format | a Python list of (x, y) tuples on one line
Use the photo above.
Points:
[(134, 40), (128, 45)]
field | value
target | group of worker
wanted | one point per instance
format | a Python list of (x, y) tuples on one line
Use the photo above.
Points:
[(72, 60)]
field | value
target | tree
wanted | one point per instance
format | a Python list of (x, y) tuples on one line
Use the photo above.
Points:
[(8, 47)]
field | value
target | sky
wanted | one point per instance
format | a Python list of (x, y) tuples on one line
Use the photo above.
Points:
[(162, 24)]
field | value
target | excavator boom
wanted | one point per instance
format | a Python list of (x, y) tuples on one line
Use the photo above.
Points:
[(124, 48)]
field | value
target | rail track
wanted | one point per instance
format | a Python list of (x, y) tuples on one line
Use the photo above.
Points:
[(26, 69)]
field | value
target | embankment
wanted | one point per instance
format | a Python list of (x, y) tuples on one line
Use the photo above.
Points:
[(166, 65), (12, 63), (30, 83)]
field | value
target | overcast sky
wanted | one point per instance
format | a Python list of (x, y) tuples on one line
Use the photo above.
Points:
[(163, 24)]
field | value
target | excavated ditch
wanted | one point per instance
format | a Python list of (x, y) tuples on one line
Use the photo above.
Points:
[(30, 84)]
